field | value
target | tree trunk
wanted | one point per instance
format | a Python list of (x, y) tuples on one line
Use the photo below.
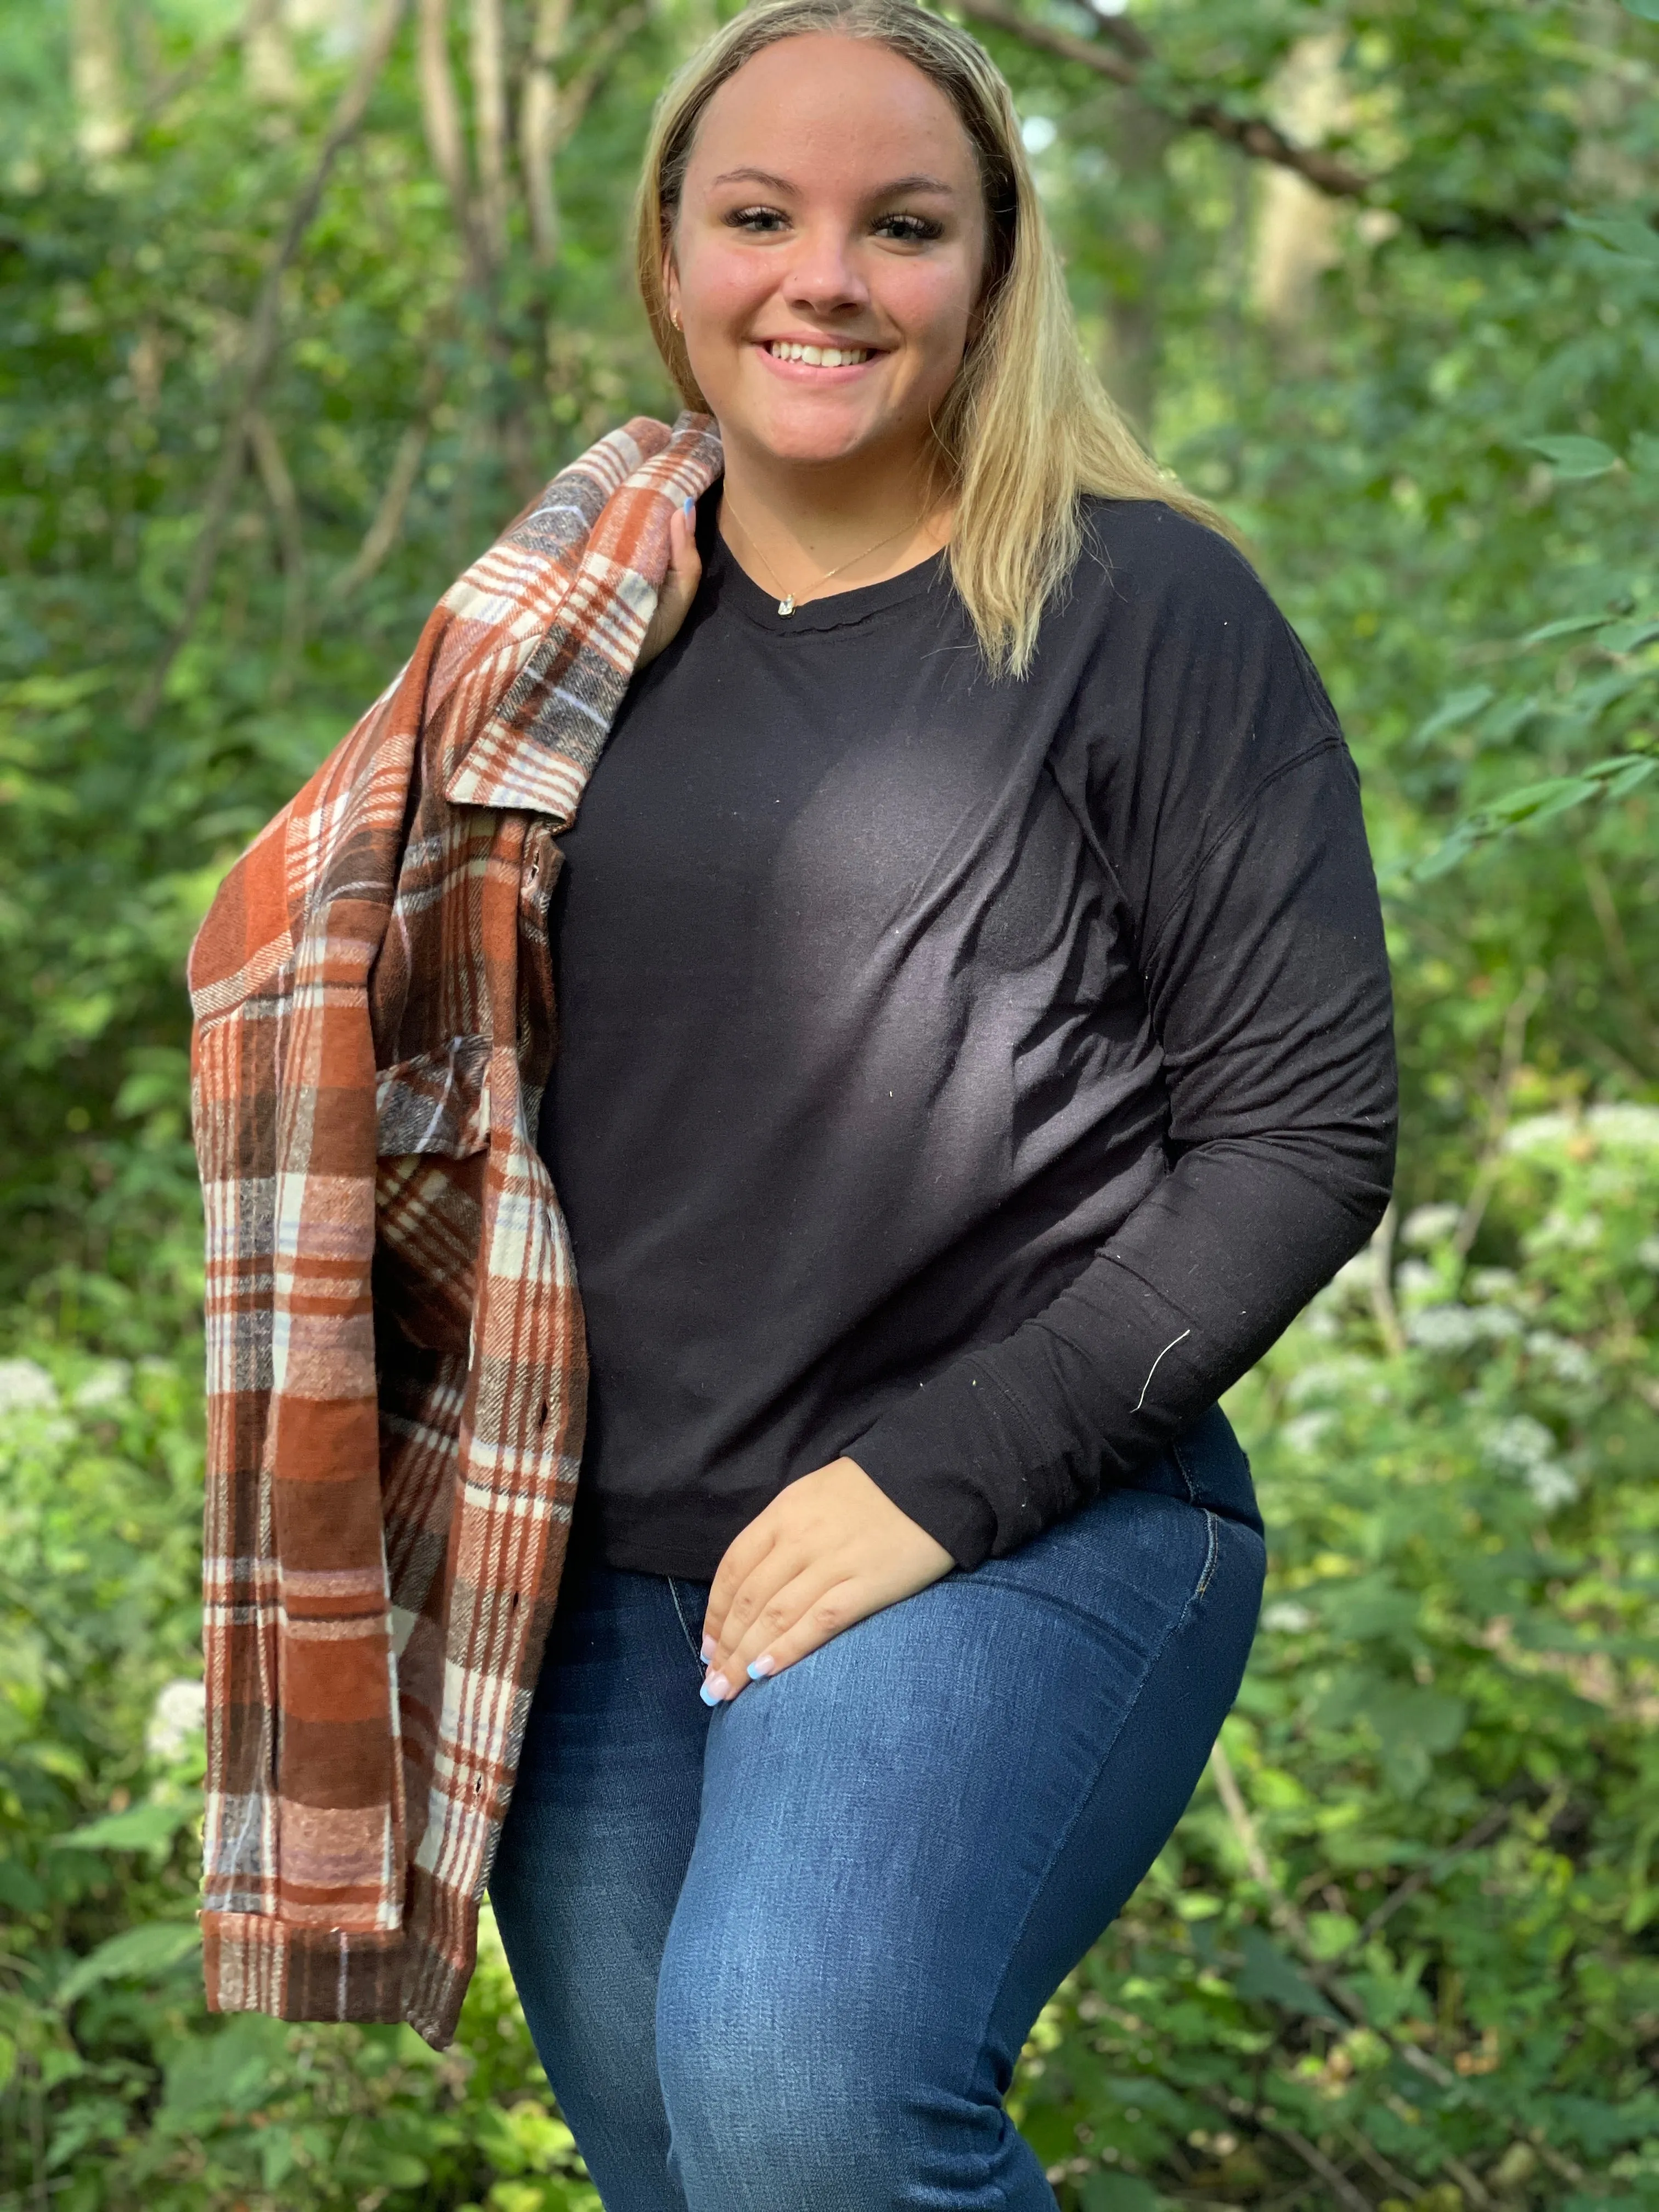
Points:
[(102, 122), (267, 54), (539, 132), (489, 124), (1134, 332), (1296, 236)]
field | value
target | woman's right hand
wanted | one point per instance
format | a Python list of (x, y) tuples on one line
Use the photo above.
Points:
[(679, 586)]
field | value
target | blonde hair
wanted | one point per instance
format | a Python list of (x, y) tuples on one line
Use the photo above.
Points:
[(1026, 428)]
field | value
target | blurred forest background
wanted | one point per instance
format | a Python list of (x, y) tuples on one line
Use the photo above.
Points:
[(299, 301)]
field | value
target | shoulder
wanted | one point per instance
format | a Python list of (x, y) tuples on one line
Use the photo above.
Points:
[(1156, 590), (1142, 551)]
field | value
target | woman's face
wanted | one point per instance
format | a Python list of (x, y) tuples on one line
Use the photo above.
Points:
[(831, 202)]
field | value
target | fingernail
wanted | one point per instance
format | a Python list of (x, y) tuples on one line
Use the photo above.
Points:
[(689, 508), (759, 1668), (708, 1650), (715, 1690)]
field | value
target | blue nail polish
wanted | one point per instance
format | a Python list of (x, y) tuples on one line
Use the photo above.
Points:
[(708, 1650), (761, 1667), (689, 508), (715, 1690), (708, 1695)]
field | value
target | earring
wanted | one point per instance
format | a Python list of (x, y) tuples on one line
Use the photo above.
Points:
[(676, 321)]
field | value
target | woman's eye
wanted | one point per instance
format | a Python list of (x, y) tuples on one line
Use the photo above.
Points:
[(762, 219), (912, 229)]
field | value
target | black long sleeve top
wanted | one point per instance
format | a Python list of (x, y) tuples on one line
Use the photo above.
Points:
[(972, 1076)]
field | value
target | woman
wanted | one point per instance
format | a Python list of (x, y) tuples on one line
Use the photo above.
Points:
[(974, 1048)]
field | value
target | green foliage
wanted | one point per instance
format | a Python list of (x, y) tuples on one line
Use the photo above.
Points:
[(1404, 1948)]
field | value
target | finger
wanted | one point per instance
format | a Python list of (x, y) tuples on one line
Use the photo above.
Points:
[(684, 562), (743, 1555), (752, 1602), (812, 1611)]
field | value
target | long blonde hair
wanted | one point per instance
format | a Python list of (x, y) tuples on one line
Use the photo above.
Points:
[(1027, 427)]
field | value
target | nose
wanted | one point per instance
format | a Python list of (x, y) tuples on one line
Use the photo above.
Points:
[(823, 277)]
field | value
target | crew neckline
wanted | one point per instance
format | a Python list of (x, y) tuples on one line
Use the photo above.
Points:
[(729, 585)]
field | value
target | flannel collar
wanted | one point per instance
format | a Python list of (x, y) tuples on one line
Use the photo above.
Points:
[(535, 752)]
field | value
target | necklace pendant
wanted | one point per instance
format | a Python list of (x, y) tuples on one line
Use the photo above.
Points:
[(787, 604)]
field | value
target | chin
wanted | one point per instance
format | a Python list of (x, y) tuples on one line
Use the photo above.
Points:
[(811, 437)]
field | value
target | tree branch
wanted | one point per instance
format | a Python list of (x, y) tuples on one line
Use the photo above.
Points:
[(440, 116), (274, 475), (1252, 134), (1521, 1008), (386, 527), (1382, 1283), (1132, 65), (263, 344), (1311, 2156)]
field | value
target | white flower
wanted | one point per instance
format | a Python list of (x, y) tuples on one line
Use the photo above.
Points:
[(1303, 1432), (1560, 1357), (1525, 1447), (106, 1385), (25, 1388), (1287, 1618), (1648, 1253), (1489, 1283), (1558, 1231), (1429, 1225), (179, 1713), (1520, 1442), (1634, 1127), (1456, 1328), (1551, 1485)]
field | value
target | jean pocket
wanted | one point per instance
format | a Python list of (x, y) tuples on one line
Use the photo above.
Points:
[(692, 1636)]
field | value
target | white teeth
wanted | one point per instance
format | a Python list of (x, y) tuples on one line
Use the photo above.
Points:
[(819, 356)]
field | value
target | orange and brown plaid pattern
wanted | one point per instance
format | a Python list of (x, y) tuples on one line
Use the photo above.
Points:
[(396, 1365)]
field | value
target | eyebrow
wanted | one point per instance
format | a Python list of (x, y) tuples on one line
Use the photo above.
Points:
[(920, 182)]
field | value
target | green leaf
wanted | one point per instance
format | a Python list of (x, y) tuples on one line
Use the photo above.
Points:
[(1647, 9), (1568, 626), (1117, 2192), (1629, 636), (1627, 778), (1573, 458), (150, 1827), (1626, 235), (1538, 802), (1459, 708), (137, 1954), (227, 2070), (1267, 1975)]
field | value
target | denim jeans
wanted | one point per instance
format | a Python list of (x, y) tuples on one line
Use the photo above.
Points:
[(781, 1956)]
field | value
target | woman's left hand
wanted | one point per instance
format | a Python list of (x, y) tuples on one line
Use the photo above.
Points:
[(830, 1549)]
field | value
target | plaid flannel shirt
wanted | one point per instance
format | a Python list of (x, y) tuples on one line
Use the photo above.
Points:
[(395, 1363)]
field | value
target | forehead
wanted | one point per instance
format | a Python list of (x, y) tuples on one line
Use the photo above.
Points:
[(821, 108)]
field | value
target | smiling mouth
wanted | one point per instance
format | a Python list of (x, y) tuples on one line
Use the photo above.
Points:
[(819, 356)]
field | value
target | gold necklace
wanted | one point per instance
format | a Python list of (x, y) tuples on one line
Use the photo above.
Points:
[(788, 603)]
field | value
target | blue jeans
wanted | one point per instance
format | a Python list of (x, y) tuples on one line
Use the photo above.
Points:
[(782, 1956)]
